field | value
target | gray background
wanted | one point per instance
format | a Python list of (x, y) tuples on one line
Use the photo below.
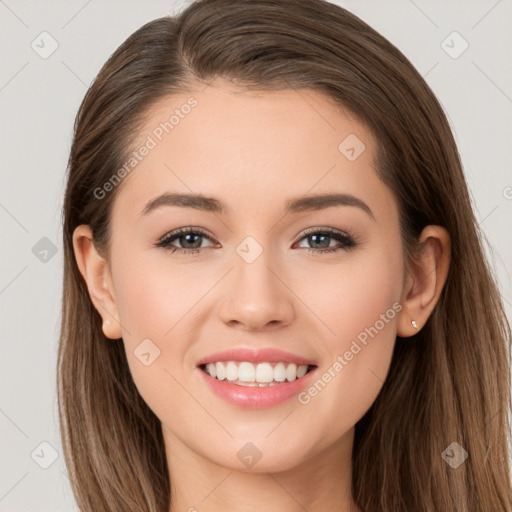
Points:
[(39, 98)]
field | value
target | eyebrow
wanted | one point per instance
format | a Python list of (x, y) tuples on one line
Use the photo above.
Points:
[(296, 205)]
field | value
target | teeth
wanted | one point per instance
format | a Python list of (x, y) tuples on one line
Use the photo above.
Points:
[(254, 375), (280, 372), (231, 371), (264, 372), (220, 370), (301, 371), (291, 372)]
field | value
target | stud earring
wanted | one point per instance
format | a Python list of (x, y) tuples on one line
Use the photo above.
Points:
[(414, 324)]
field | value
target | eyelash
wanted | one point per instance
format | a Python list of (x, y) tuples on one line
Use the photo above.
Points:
[(346, 239)]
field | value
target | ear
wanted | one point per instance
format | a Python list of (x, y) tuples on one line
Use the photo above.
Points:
[(95, 271), (425, 281)]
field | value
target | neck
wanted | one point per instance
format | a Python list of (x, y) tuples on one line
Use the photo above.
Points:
[(320, 483)]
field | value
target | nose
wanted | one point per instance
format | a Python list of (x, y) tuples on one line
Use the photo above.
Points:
[(257, 296)]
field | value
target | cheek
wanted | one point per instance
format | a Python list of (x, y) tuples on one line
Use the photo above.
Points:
[(154, 294), (351, 295), (360, 310), (159, 300), (148, 307)]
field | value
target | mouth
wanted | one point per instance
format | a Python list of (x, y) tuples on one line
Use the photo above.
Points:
[(261, 375), (249, 378)]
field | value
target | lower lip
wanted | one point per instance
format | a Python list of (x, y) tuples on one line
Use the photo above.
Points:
[(256, 397)]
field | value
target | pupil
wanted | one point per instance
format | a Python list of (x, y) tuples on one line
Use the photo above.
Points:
[(321, 236), (191, 235)]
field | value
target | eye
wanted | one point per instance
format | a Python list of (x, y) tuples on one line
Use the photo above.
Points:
[(190, 237), (318, 236)]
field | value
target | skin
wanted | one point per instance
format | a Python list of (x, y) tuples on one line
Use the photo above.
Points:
[(253, 151)]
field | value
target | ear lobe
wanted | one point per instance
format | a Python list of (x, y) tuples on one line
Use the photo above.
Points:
[(423, 286), (95, 271)]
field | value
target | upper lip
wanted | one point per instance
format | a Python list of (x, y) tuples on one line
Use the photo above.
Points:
[(262, 355)]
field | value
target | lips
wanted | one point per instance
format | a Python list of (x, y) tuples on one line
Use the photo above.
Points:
[(264, 355)]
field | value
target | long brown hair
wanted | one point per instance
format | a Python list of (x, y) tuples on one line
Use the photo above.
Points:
[(450, 383)]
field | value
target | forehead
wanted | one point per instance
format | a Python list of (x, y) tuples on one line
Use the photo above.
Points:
[(252, 147)]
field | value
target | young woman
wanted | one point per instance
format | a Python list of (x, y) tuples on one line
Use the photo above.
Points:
[(275, 293)]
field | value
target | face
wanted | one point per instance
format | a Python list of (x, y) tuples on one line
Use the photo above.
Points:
[(316, 286)]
